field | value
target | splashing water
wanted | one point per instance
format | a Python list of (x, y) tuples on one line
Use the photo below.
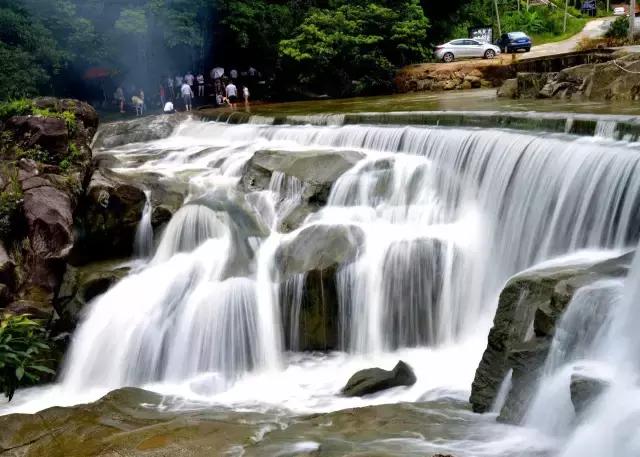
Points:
[(446, 216)]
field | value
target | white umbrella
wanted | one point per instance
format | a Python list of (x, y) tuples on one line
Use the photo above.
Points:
[(217, 72)]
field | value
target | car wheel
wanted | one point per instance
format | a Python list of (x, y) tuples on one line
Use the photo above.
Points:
[(448, 57), (489, 54), (527, 49)]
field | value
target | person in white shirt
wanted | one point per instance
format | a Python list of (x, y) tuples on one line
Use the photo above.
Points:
[(245, 95), (187, 96), (200, 80), (188, 78), (168, 108), (138, 104), (232, 94)]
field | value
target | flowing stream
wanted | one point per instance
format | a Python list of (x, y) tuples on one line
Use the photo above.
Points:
[(440, 218)]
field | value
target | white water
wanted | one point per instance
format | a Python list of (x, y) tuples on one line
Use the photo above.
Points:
[(612, 424), (448, 215), (143, 245)]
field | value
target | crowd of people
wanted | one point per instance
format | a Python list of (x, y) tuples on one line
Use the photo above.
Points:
[(183, 92)]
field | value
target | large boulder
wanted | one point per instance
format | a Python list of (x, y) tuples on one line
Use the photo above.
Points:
[(116, 134), (585, 390), (318, 247), (83, 112), (311, 312), (615, 80), (48, 212), (315, 170), (529, 308), (311, 259), (509, 89), (49, 134), (80, 285), (372, 380), (112, 210)]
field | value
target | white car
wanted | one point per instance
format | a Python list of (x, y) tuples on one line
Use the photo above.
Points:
[(464, 49), (619, 11)]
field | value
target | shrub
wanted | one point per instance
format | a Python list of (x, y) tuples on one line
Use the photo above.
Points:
[(619, 29), (20, 107), (10, 201), (24, 353)]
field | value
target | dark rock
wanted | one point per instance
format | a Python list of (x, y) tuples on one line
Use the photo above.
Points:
[(50, 134), (7, 269), (318, 247), (82, 284), (585, 390), (529, 308), (315, 325), (374, 380), (111, 213), (48, 212), (84, 112), (509, 89), (37, 309), (527, 361)]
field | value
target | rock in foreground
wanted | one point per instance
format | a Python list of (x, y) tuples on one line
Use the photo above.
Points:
[(372, 380), (585, 390), (529, 309)]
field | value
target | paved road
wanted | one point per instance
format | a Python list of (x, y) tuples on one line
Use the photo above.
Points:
[(593, 29)]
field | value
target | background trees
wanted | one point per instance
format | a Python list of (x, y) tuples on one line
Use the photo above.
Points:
[(337, 47)]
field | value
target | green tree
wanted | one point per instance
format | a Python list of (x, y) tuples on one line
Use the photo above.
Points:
[(355, 47)]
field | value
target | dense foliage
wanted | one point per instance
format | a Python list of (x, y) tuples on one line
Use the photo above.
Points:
[(24, 353), (339, 47), (355, 47)]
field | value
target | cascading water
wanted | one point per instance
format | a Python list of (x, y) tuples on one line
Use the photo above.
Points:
[(143, 244), (610, 426), (446, 216)]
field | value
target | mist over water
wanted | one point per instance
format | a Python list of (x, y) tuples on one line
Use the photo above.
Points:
[(441, 218)]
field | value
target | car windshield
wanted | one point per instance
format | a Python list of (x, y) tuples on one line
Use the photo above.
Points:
[(517, 35)]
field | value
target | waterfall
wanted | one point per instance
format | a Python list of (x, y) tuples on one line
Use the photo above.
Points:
[(143, 245), (606, 129), (447, 215), (612, 423), (577, 347)]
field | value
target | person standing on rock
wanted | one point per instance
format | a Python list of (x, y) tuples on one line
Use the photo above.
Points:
[(163, 95), (119, 96), (200, 81), (172, 93), (187, 96), (188, 78), (245, 95), (232, 94)]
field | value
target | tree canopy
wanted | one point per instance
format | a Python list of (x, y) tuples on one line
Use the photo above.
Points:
[(339, 47)]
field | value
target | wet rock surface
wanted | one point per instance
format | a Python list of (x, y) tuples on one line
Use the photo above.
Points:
[(529, 308), (316, 171), (585, 390), (46, 163), (82, 284), (318, 247), (112, 209), (372, 380), (144, 129), (129, 422)]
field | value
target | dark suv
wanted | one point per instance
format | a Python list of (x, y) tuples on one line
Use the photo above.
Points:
[(514, 42), (589, 7)]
